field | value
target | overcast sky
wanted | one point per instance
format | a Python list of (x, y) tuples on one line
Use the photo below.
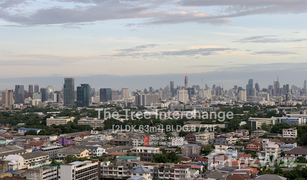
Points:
[(142, 43)]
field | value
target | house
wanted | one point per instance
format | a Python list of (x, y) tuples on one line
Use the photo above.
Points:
[(15, 162), (65, 141), (142, 172), (270, 177), (297, 152), (258, 133), (190, 138), (238, 177), (59, 120), (146, 153), (272, 149), (212, 175), (77, 152), (253, 146)]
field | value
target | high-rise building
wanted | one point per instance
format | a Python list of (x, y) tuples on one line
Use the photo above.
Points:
[(19, 94), (30, 89), (186, 82), (105, 94), (80, 170), (242, 95), (83, 95), (44, 94), (182, 96), (114, 95), (36, 88), (276, 88), (305, 87), (250, 88), (7, 98), (125, 93), (257, 87), (57, 96), (142, 99), (172, 88), (37, 96), (69, 92), (191, 92)]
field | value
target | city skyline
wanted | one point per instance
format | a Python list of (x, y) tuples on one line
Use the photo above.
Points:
[(72, 38)]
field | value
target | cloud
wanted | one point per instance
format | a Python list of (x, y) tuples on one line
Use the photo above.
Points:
[(275, 53), (4, 4), (268, 39), (139, 48), (236, 8), (138, 52)]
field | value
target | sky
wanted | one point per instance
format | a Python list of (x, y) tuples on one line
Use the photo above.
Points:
[(142, 43)]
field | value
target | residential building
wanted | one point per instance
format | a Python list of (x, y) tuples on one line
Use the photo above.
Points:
[(59, 120), (77, 152), (298, 152), (52, 150), (23, 130), (294, 120), (190, 149), (142, 172), (83, 95), (253, 146), (15, 162), (89, 170), (125, 93), (272, 149), (4, 166), (148, 99), (43, 173), (36, 88), (242, 95), (7, 98), (114, 95), (35, 159), (182, 96), (205, 137), (146, 153), (93, 122), (289, 133), (69, 92), (117, 171), (258, 133)]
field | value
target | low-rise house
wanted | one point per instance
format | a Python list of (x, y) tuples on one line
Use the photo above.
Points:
[(58, 120), (253, 146), (3, 166), (297, 152), (15, 162), (77, 152), (258, 133), (146, 153), (142, 172), (190, 138)]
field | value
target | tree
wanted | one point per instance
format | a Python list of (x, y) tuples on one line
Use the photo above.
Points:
[(301, 159), (206, 149), (282, 154), (254, 155), (53, 162), (278, 170), (265, 127), (30, 132), (277, 128), (69, 158)]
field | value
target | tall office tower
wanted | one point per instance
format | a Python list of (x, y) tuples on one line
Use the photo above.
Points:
[(257, 87), (83, 95), (125, 93), (172, 88), (105, 94), (276, 88), (114, 95), (36, 88), (186, 82), (150, 89), (242, 95), (37, 96), (182, 96), (19, 94), (7, 98), (44, 94), (288, 96), (30, 89), (57, 96), (286, 89), (305, 87), (271, 90), (142, 99), (69, 92), (191, 92), (250, 88)]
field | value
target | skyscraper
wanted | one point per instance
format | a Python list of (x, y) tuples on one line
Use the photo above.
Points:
[(276, 88), (172, 88), (30, 89), (125, 93), (7, 98), (257, 87), (242, 95), (83, 95), (44, 94), (305, 87), (19, 94), (186, 82), (250, 88), (36, 88), (69, 92), (105, 94), (182, 96)]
